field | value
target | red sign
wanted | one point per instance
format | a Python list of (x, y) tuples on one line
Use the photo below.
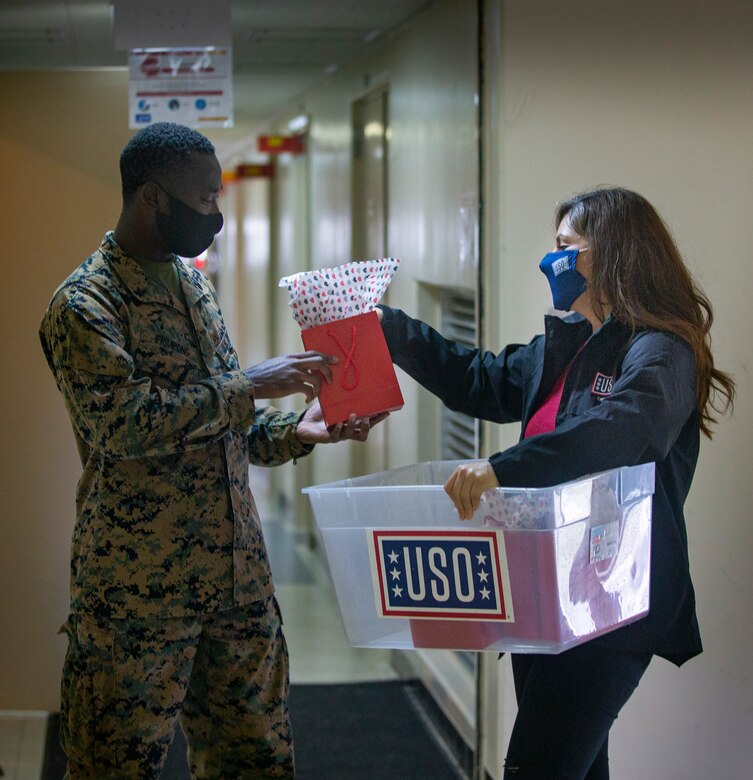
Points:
[(255, 171), (275, 144)]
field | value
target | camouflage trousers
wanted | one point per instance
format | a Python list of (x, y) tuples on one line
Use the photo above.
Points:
[(224, 675)]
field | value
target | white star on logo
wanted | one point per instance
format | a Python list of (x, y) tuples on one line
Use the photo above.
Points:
[(482, 575), (485, 593), (393, 556), (481, 558), (395, 574), (397, 591)]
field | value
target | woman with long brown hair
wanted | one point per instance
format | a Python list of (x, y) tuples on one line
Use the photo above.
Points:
[(627, 378), (639, 275)]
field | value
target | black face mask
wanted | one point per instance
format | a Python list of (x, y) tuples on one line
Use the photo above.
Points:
[(187, 232)]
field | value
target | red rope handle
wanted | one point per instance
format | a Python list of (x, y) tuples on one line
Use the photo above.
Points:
[(348, 359)]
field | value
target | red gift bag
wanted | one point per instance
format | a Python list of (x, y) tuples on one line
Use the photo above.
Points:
[(364, 380)]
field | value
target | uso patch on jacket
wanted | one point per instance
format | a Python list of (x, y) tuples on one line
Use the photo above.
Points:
[(602, 385)]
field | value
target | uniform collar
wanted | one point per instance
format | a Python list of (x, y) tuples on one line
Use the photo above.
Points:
[(140, 285), (194, 284)]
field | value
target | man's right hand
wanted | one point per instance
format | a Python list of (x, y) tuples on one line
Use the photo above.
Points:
[(290, 374)]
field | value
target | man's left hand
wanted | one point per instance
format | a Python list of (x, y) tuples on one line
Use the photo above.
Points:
[(313, 430)]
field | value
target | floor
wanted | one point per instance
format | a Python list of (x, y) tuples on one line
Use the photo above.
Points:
[(319, 649)]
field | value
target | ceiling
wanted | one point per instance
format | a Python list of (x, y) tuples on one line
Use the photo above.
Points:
[(281, 48)]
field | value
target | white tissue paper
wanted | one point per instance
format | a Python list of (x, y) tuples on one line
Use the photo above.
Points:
[(319, 297)]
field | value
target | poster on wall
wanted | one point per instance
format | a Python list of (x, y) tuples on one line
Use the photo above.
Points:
[(189, 85)]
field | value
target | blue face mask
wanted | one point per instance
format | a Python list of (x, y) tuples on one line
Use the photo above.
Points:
[(566, 283)]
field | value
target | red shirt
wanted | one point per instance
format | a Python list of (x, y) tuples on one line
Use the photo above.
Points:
[(542, 420)]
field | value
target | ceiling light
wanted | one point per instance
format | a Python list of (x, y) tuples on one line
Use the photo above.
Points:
[(298, 124)]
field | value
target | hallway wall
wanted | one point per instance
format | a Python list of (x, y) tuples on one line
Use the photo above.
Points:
[(60, 140), (657, 97), (430, 70)]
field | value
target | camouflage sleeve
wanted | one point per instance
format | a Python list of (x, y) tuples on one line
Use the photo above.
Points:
[(272, 439), (118, 412)]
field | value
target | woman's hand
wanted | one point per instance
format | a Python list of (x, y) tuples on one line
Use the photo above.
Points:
[(312, 429), (467, 483)]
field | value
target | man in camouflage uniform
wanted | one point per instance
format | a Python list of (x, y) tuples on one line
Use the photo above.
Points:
[(173, 611)]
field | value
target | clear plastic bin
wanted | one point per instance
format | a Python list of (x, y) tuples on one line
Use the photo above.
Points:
[(535, 570)]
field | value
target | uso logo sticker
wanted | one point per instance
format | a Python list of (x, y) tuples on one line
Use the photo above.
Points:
[(459, 575)]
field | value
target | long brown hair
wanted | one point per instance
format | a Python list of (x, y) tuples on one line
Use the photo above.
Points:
[(638, 271)]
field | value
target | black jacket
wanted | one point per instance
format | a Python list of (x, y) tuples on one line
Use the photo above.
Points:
[(628, 399)]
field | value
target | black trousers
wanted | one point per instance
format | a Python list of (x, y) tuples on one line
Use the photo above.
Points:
[(566, 706)]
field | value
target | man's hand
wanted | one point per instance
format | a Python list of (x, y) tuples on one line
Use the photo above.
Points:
[(467, 483), (312, 429), (299, 373)]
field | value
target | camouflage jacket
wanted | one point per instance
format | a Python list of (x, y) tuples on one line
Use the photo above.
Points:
[(166, 427)]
